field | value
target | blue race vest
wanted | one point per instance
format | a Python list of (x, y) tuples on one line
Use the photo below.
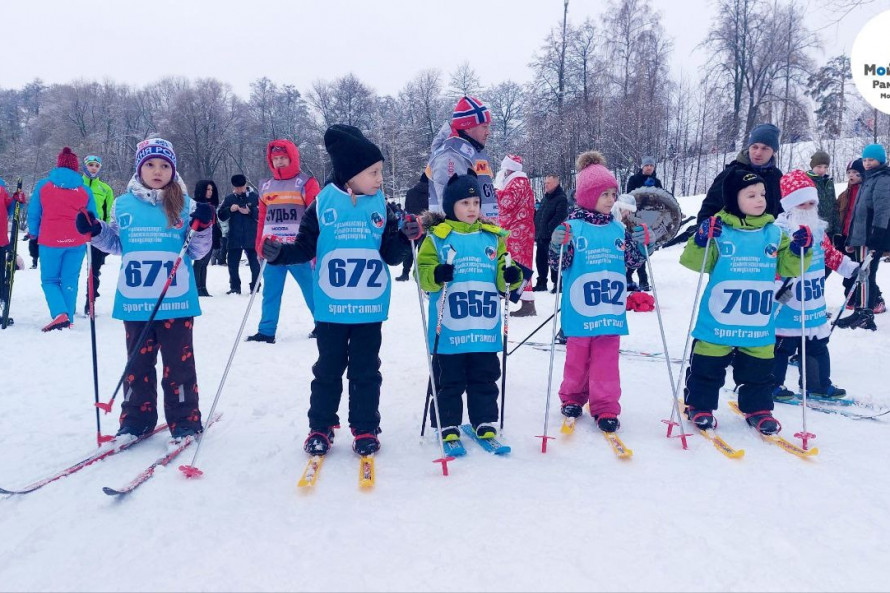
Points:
[(813, 288), (472, 318), (736, 307), (352, 281), (594, 286), (148, 250)]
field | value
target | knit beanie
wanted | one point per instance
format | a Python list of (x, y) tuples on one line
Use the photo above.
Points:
[(735, 182), (68, 160), (648, 160), (765, 134), (820, 157), (592, 179), (469, 113), (460, 187), (238, 180), (876, 152), (856, 165), (155, 148), (797, 188), (351, 153)]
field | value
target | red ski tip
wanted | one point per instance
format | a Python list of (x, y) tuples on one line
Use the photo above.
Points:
[(444, 461), (544, 440), (191, 471), (105, 407)]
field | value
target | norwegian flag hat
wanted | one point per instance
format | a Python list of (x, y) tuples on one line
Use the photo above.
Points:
[(797, 188), (469, 113)]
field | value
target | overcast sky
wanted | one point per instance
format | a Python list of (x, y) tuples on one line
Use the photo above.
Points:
[(384, 43)]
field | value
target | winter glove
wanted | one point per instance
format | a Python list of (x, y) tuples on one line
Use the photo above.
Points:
[(860, 274), (202, 216), (444, 273), (412, 227), (641, 235), (86, 222), (801, 241), (784, 294), (19, 197), (709, 227), (512, 275), (561, 235), (271, 248)]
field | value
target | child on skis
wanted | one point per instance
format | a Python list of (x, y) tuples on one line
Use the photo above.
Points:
[(597, 250), (470, 338), (355, 238), (800, 201), (735, 320), (148, 227)]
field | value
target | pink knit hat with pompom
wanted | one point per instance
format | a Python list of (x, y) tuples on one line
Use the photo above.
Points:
[(592, 179)]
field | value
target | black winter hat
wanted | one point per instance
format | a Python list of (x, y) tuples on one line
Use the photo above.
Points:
[(239, 180), (351, 153), (857, 165), (460, 187), (735, 182)]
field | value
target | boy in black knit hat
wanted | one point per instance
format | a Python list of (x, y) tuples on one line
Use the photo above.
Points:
[(355, 239)]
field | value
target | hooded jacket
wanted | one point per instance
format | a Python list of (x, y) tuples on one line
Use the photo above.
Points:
[(871, 213), (103, 194), (771, 174), (54, 205)]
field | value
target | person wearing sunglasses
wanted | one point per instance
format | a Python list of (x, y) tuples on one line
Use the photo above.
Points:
[(104, 196)]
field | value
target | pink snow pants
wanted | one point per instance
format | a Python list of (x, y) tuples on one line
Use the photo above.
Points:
[(591, 374)]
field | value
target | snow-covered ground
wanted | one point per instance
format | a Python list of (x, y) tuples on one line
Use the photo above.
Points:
[(575, 519)]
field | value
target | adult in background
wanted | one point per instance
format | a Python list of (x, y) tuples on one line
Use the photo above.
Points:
[(516, 213), (283, 201), (868, 232), (104, 196), (206, 192), (644, 177), (846, 202), (818, 173), (7, 211), (417, 201), (460, 145), (53, 207), (241, 210), (759, 156), (553, 211)]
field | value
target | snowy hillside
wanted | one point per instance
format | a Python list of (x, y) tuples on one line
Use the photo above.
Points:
[(575, 519)]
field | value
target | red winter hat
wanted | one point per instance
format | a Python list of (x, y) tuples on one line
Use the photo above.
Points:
[(469, 113), (797, 188), (68, 160), (592, 179)]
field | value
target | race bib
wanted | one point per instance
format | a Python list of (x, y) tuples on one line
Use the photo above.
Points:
[(742, 303), (144, 273), (471, 305), (808, 290), (352, 274), (599, 293)]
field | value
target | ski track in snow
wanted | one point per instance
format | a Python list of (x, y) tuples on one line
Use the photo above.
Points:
[(574, 519)]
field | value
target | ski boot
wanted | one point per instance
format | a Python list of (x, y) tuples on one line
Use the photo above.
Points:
[(184, 429), (764, 422), (60, 322), (133, 429), (880, 306), (703, 419), (450, 433), (831, 393), (365, 442), (561, 337), (319, 441), (486, 430), (258, 337), (607, 422), (782, 394), (861, 318), (571, 410)]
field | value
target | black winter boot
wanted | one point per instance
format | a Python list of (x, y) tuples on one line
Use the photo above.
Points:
[(319, 441), (764, 422)]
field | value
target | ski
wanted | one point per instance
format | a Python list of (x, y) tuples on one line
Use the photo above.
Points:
[(840, 410), (310, 473), (715, 439), (493, 446), (98, 455), (622, 451), (654, 356), (366, 471), (454, 448), (162, 461), (568, 426), (11, 261), (780, 442)]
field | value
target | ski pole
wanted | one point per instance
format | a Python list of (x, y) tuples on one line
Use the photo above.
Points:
[(545, 437), (534, 331), (429, 383), (507, 263), (144, 334), (191, 470), (11, 256), (91, 297), (444, 459), (675, 410), (803, 435), (695, 306), (863, 268)]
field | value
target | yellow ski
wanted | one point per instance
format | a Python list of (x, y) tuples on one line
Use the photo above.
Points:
[(310, 474), (366, 471), (617, 446), (715, 439), (568, 426), (781, 443)]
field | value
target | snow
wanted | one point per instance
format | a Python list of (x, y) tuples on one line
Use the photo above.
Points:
[(575, 519)]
